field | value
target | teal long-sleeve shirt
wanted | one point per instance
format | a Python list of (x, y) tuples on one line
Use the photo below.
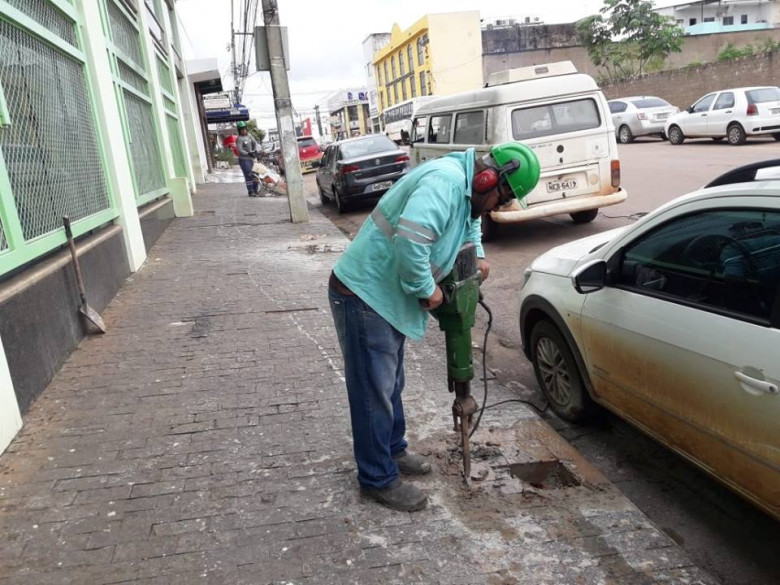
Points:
[(411, 240)]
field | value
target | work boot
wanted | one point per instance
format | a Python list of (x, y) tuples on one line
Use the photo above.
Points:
[(400, 496), (411, 464)]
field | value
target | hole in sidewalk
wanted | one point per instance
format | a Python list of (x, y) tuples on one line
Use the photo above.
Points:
[(548, 475)]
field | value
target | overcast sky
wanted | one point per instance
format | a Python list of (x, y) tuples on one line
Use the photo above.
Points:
[(326, 38)]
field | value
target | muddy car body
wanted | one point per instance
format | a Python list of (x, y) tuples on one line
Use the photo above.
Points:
[(673, 323)]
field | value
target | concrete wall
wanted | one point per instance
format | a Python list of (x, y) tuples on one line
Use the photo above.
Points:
[(702, 49), (682, 87), (39, 320), (507, 39), (155, 217)]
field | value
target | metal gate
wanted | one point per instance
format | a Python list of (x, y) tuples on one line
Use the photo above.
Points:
[(51, 160), (135, 103)]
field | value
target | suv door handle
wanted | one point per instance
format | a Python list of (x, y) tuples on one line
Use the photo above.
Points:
[(754, 386), (729, 111)]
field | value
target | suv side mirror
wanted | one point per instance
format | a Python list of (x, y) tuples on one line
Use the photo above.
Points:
[(590, 278), (690, 110)]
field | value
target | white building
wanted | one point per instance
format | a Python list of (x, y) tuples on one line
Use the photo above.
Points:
[(348, 113), (97, 123), (372, 44), (714, 16)]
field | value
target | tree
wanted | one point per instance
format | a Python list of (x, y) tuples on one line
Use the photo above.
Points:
[(255, 132), (628, 38)]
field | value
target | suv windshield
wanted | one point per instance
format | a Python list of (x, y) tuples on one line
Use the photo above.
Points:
[(650, 103), (765, 94), (367, 146), (304, 142)]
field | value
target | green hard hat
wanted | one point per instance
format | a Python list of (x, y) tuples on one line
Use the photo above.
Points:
[(518, 167), (241, 125)]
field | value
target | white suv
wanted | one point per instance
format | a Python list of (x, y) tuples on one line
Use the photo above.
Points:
[(673, 323), (734, 114)]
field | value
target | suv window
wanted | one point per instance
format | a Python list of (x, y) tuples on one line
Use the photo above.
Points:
[(469, 128), (726, 261), (305, 142), (552, 119), (418, 129), (704, 103), (725, 100), (439, 130), (617, 107)]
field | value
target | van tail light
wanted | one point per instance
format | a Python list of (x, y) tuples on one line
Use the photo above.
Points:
[(615, 168), (752, 110), (346, 169), (402, 158), (642, 116)]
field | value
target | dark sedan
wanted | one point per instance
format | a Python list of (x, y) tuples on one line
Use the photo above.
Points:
[(360, 168)]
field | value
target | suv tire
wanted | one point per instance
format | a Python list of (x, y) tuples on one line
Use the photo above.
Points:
[(489, 228), (736, 135), (558, 375), (584, 216)]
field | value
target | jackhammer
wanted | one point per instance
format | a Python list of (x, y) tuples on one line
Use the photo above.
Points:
[(456, 316)]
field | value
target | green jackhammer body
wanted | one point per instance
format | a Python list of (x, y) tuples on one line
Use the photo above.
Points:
[(456, 317)]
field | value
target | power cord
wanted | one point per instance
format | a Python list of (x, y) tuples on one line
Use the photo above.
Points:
[(633, 216), (484, 363), (485, 378)]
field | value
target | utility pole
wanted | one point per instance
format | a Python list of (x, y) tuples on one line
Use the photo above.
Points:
[(233, 50), (319, 122), (299, 211)]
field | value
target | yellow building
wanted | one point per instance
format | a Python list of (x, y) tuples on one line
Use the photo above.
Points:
[(440, 54)]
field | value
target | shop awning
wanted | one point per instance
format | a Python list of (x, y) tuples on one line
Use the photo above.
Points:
[(238, 113)]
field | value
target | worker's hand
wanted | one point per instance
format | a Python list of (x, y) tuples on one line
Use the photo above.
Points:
[(433, 301), (484, 267)]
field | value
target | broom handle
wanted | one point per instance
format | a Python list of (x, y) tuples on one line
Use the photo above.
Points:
[(76, 267)]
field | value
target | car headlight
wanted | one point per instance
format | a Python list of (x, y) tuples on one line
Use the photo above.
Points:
[(526, 276)]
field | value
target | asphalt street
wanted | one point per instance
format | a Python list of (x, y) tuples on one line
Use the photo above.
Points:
[(723, 534)]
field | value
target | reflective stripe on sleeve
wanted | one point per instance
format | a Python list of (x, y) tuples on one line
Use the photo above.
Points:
[(416, 227), (382, 224)]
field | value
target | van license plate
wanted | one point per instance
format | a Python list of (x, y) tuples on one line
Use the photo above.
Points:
[(381, 186), (564, 185)]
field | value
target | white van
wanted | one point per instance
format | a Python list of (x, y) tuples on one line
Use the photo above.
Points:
[(561, 114)]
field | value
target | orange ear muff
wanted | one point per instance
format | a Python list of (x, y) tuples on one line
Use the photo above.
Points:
[(485, 180)]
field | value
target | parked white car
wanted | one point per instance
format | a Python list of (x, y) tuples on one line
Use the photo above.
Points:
[(640, 116), (733, 114), (673, 323)]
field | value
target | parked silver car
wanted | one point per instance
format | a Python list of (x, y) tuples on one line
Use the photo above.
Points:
[(640, 116)]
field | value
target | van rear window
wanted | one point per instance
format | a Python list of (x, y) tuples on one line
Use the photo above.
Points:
[(552, 119)]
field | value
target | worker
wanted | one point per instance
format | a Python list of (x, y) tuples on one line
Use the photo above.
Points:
[(247, 151), (383, 286)]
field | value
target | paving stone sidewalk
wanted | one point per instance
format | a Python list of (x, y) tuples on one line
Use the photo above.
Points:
[(205, 439)]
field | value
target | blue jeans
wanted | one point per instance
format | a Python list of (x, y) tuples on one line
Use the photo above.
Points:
[(246, 165), (373, 353)]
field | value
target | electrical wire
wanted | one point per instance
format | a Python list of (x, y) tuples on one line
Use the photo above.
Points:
[(633, 216), (484, 364), (485, 378)]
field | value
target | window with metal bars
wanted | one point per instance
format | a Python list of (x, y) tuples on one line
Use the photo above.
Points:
[(50, 148), (51, 18), (143, 145), (140, 132)]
